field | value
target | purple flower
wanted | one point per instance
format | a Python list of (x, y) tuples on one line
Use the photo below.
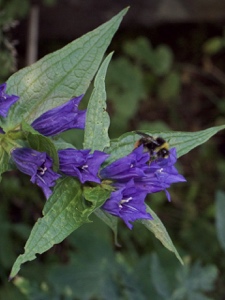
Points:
[(38, 165), (151, 178), (81, 163), (160, 175), (6, 100), (128, 167), (127, 203), (61, 118)]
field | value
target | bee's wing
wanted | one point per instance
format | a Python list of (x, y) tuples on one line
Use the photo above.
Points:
[(144, 134)]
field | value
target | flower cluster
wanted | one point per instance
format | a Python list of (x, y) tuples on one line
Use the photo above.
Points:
[(38, 164), (132, 177)]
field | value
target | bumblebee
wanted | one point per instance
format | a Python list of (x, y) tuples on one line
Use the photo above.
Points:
[(157, 147)]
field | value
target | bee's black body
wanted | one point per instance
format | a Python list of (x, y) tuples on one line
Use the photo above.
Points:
[(157, 147)]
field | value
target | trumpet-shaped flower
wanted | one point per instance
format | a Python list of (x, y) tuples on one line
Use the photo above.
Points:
[(38, 165), (81, 163), (160, 175), (151, 178), (127, 202), (128, 167), (61, 118), (6, 101)]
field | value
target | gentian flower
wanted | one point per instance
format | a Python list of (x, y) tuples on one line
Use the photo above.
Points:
[(61, 118), (128, 167), (127, 203), (151, 178), (160, 174), (6, 101), (81, 163), (38, 165)]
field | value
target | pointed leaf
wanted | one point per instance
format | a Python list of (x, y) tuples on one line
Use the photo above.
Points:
[(61, 144), (100, 194), (59, 76), (183, 141), (109, 220), (96, 194), (97, 121), (4, 161), (160, 232), (64, 212)]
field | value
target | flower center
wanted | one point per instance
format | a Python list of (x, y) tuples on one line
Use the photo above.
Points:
[(124, 201), (84, 167), (42, 170)]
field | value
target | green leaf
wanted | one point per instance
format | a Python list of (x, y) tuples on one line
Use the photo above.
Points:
[(30, 289), (183, 141), (163, 59), (96, 194), (97, 121), (100, 194), (61, 144), (109, 220), (220, 217), (169, 87), (64, 212), (159, 278), (4, 161), (59, 76), (140, 50), (93, 263), (160, 232), (213, 45), (194, 281), (126, 87), (41, 143)]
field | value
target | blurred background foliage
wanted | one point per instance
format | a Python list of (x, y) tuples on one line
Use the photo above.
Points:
[(151, 85)]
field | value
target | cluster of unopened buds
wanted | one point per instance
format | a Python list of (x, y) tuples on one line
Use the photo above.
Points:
[(131, 177)]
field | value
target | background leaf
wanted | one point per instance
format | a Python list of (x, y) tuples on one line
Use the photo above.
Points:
[(220, 217), (160, 232), (195, 281), (160, 281), (97, 120), (163, 59), (59, 76)]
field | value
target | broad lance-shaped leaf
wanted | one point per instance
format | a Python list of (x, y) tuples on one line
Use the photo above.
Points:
[(64, 212), (183, 141), (97, 119), (109, 220), (59, 76), (160, 232), (8, 142), (4, 161)]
